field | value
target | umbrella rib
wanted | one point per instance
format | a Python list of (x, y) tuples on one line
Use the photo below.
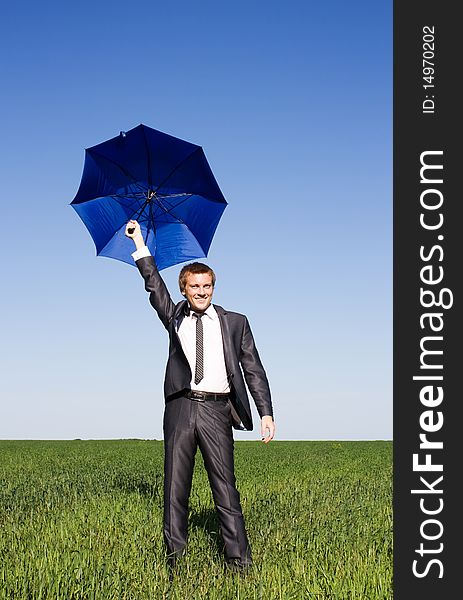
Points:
[(148, 154), (150, 221), (140, 194), (137, 184), (121, 168), (140, 212), (161, 195), (177, 167), (163, 200), (137, 214), (171, 208), (131, 205)]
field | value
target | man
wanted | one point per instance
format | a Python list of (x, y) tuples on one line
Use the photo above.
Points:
[(210, 349)]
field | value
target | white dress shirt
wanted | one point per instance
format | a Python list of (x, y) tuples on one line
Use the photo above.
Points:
[(215, 373)]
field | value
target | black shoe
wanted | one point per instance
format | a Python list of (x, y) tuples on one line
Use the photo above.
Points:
[(235, 565), (174, 560)]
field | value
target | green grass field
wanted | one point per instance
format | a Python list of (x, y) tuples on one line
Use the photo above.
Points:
[(83, 520)]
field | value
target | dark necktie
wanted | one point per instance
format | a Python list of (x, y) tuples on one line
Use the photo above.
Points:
[(199, 367)]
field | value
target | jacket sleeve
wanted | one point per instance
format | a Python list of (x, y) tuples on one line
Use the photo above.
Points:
[(154, 284), (254, 373)]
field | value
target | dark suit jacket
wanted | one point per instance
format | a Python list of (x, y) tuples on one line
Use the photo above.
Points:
[(240, 352)]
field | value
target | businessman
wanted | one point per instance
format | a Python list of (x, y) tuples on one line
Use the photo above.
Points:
[(210, 349)]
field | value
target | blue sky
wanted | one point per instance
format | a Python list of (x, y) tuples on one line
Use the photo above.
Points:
[(292, 103)]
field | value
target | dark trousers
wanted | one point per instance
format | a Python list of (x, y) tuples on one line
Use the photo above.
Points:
[(187, 425)]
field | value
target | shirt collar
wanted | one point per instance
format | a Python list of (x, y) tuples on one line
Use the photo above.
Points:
[(210, 312)]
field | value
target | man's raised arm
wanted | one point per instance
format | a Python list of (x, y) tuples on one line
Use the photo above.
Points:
[(154, 284)]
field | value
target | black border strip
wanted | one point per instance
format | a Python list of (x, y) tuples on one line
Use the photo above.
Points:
[(427, 124)]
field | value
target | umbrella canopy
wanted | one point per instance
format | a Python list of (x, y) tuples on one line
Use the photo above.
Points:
[(163, 182)]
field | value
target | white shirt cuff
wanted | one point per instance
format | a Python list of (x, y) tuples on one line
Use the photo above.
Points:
[(141, 253)]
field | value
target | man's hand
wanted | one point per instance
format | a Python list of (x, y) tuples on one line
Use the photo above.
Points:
[(133, 231), (267, 429)]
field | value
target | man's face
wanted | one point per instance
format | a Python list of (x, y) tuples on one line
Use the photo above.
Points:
[(199, 290)]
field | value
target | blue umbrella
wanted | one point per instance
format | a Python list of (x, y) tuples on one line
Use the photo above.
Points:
[(163, 182)]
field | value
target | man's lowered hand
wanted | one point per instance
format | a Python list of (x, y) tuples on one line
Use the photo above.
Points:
[(267, 429)]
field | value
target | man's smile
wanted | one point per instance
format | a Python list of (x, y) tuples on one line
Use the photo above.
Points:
[(198, 291)]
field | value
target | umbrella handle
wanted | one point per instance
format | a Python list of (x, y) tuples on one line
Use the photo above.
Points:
[(130, 230)]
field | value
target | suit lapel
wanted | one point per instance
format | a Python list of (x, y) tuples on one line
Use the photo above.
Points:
[(226, 339), (180, 309), (179, 313)]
